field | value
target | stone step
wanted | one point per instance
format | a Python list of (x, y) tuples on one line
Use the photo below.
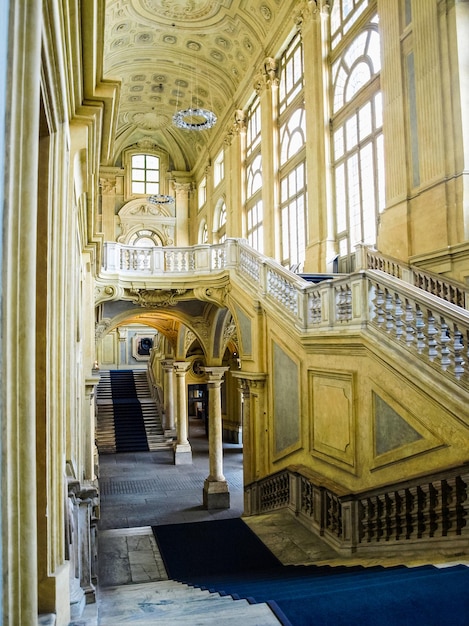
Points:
[(169, 603)]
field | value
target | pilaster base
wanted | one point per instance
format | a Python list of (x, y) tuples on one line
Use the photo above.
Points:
[(216, 494), (182, 454)]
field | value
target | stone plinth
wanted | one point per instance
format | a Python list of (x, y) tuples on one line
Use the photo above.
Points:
[(216, 494), (182, 454)]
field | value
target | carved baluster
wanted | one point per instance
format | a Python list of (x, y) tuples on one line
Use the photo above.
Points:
[(435, 507), (389, 516), (432, 343), (423, 511), (398, 314), (388, 307), (420, 325), (409, 320), (444, 340), (411, 500), (399, 514), (379, 302), (462, 504), (458, 347), (448, 506), (366, 514)]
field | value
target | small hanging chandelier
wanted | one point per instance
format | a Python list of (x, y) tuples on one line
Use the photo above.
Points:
[(160, 198), (194, 119), (195, 116)]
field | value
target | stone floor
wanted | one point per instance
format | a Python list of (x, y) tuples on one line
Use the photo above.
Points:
[(144, 489)]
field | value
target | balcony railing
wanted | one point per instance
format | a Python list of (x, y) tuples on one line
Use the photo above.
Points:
[(384, 295)]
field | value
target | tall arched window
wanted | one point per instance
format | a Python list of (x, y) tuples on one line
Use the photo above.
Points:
[(253, 165), (292, 144), (357, 134), (221, 221)]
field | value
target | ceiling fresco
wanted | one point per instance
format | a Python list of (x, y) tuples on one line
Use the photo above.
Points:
[(172, 55)]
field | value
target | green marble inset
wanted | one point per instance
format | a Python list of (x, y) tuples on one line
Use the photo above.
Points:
[(391, 430), (286, 400)]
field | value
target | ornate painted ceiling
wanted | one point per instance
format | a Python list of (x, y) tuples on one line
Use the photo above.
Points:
[(172, 55)]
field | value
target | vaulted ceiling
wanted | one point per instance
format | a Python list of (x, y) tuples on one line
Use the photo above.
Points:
[(172, 55)]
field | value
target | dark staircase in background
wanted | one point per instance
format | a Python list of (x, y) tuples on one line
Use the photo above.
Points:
[(129, 427), (128, 419)]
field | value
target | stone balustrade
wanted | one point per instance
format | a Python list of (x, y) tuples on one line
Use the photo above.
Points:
[(383, 296), (412, 515)]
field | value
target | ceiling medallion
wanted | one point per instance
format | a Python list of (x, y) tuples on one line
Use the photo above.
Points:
[(161, 198), (194, 119)]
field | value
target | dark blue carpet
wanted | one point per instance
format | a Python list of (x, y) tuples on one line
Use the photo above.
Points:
[(129, 426), (227, 557), (207, 548)]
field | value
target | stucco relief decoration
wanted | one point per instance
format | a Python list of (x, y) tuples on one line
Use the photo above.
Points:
[(265, 12), (101, 327), (150, 120), (180, 9), (108, 186), (155, 298), (202, 327), (230, 334), (217, 295), (189, 339)]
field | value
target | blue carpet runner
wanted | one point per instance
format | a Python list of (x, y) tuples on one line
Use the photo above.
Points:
[(129, 426), (225, 556)]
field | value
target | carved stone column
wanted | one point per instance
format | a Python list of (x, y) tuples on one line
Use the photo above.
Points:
[(182, 448), (216, 493), (89, 427), (169, 423), (182, 212)]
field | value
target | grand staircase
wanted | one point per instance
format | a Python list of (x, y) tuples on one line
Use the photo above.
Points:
[(128, 419)]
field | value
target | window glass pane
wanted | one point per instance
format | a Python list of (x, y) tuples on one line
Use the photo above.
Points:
[(374, 50), (153, 162), (138, 160), (380, 168), (359, 76), (378, 110), (340, 198), (351, 132), (152, 188), (138, 187), (364, 121), (153, 176), (339, 142), (138, 174)]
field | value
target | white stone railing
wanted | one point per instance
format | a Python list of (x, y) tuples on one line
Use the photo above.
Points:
[(441, 286), (433, 329)]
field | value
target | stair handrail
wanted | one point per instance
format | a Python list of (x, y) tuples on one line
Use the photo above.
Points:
[(442, 286)]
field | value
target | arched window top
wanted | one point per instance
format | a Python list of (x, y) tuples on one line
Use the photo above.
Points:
[(222, 215), (203, 233), (145, 238), (292, 135), (360, 63)]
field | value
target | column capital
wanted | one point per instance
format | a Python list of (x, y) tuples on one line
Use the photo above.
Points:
[(215, 373), (250, 380), (167, 364), (181, 367), (182, 188), (267, 76)]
